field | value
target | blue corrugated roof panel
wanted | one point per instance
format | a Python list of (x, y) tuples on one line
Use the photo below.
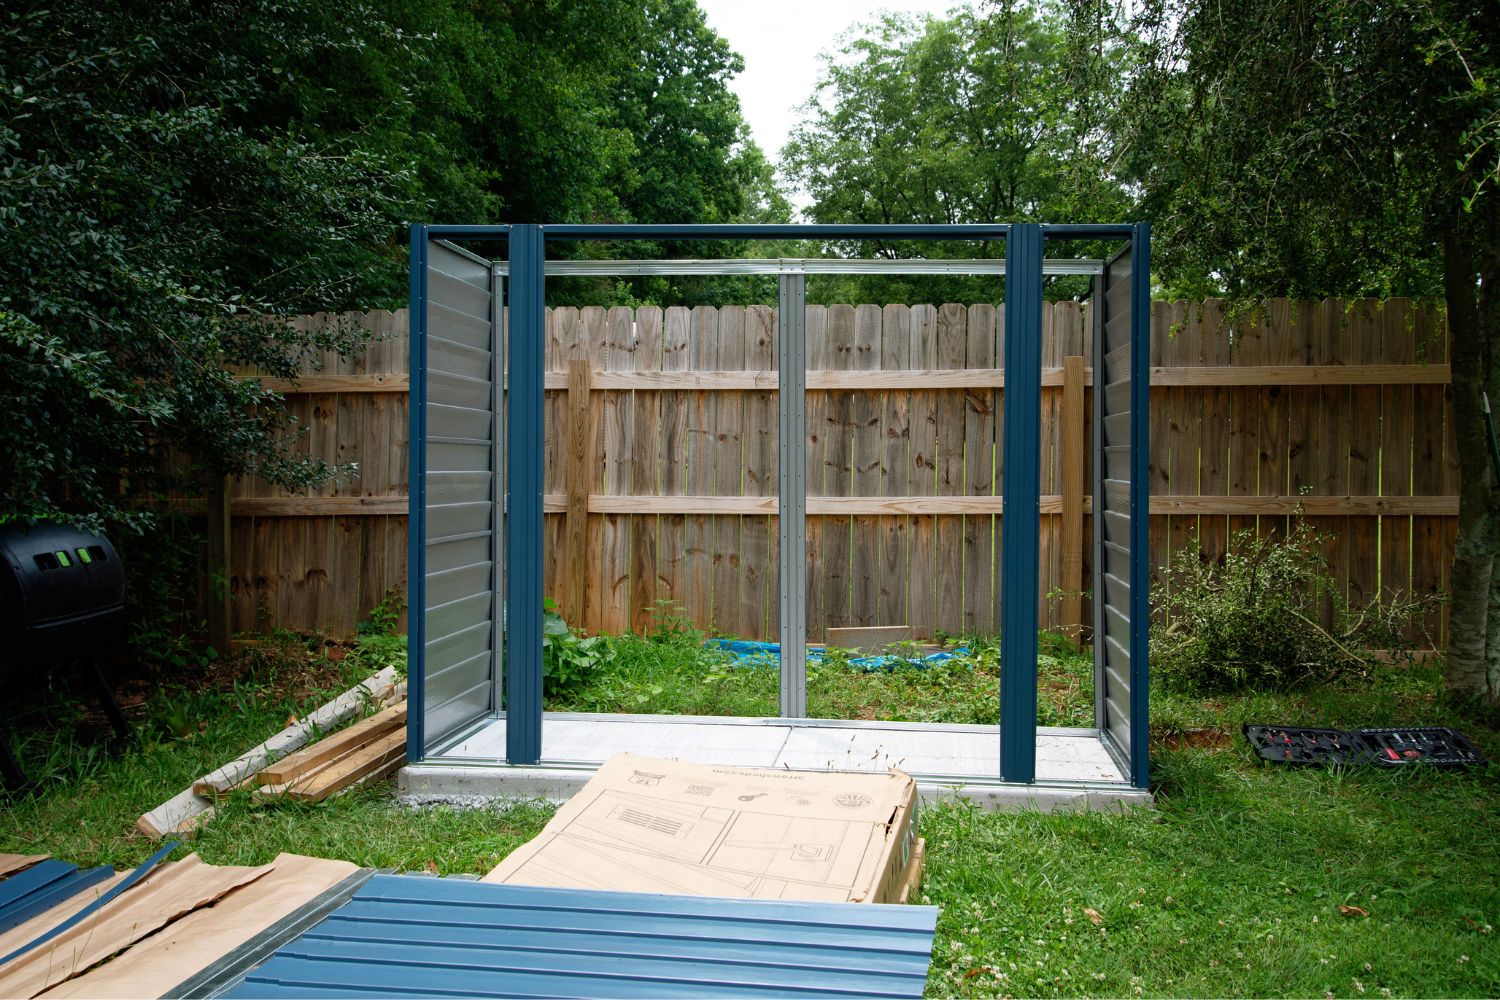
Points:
[(23, 907), (402, 937)]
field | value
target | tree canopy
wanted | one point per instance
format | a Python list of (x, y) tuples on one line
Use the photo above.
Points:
[(994, 116), (1344, 147), (176, 177)]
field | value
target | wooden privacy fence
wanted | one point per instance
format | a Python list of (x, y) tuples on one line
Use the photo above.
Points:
[(661, 462)]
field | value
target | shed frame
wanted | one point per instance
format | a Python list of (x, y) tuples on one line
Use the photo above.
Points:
[(476, 468)]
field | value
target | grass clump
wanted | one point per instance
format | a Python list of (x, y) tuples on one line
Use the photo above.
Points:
[(1260, 619), (1233, 884)]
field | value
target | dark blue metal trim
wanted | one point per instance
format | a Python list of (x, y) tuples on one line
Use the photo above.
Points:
[(523, 557), (39, 901), (467, 232), (1140, 503), (1020, 532), (416, 511), (34, 879), (96, 905), (1088, 231), (776, 232)]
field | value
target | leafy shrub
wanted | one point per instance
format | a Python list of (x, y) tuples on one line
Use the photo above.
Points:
[(1256, 620), (378, 643), (569, 661)]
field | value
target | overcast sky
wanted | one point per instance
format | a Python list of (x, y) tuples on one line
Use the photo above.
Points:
[(780, 41)]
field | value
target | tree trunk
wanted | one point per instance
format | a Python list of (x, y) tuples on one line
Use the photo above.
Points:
[(1471, 252)]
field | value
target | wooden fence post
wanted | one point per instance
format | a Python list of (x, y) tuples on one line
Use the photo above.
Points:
[(1074, 463), (219, 566), (581, 480)]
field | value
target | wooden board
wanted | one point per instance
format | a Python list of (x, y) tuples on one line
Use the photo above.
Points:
[(982, 440), (866, 431), (834, 535), (758, 560), (952, 347), (895, 455), (186, 806), (921, 479), (335, 745), (376, 759), (726, 417)]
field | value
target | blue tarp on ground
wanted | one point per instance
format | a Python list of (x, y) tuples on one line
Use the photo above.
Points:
[(758, 654)]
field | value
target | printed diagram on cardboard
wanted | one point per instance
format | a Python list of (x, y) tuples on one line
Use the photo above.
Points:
[(706, 831), (753, 853)]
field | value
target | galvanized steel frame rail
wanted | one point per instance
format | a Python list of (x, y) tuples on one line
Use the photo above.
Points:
[(791, 397)]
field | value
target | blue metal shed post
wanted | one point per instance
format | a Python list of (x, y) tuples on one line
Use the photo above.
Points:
[(1140, 502), (1021, 507), (416, 529), (523, 564)]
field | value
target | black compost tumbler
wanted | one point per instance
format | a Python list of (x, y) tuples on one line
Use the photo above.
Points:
[(62, 604)]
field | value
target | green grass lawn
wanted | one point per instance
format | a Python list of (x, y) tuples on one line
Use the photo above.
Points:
[(1231, 886), (672, 673)]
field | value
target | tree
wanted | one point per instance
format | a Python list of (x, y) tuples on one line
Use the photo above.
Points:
[(154, 228), (176, 178), (1343, 147), (993, 118)]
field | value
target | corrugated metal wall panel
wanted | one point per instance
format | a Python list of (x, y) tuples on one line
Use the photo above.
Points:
[(460, 526), (1113, 520), (403, 936), (36, 890)]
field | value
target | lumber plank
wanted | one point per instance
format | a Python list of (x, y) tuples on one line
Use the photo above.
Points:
[(725, 416), (759, 608), (982, 419), (952, 350), (690, 538), (834, 538), (994, 378), (921, 476), (930, 504), (334, 746), (186, 806), (866, 413), (579, 478), (385, 753), (895, 355), (341, 384), (817, 434)]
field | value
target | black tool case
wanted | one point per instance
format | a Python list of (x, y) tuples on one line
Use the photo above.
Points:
[(1436, 746)]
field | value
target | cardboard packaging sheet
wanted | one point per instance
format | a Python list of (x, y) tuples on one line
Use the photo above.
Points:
[(644, 824)]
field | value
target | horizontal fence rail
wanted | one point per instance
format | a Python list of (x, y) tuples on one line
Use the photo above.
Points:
[(661, 451)]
